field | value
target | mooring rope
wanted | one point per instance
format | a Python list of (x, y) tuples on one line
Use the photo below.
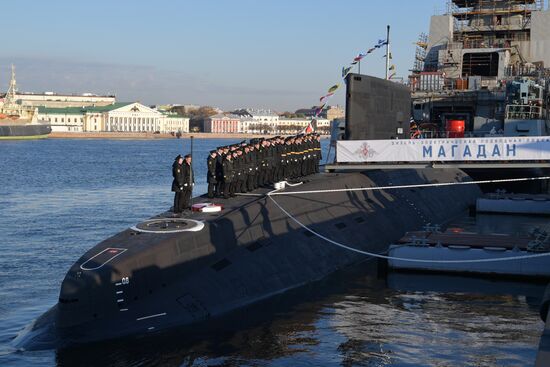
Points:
[(480, 182), (372, 254)]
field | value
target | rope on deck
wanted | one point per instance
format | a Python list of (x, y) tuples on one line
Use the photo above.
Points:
[(380, 256)]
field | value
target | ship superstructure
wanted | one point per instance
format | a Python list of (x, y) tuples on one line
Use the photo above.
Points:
[(10, 109), (484, 70), (18, 120)]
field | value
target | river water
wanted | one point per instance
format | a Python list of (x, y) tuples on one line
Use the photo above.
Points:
[(60, 197)]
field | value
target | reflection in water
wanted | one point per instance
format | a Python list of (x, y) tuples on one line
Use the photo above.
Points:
[(351, 319)]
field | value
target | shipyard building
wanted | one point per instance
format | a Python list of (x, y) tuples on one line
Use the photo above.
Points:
[(484, 65)]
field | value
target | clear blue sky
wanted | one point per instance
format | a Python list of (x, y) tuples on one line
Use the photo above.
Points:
[(275, 54)]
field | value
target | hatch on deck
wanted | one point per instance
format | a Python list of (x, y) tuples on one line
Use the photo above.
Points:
[(168, 225)]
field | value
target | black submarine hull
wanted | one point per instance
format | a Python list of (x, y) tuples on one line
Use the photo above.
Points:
[(139, 282)]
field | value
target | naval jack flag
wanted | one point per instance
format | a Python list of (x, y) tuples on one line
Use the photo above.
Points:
[(311, 126)]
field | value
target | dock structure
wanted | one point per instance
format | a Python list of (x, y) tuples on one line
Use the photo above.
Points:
[(471, 253), (543, 355), (514, 204)]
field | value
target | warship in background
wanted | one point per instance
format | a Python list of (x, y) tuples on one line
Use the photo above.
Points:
[(18, 121), (483, 71)]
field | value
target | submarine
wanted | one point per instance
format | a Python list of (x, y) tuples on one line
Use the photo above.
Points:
[(166, 272)]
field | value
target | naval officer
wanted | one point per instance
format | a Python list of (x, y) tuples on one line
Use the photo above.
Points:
[(177, 184), (188, 182)]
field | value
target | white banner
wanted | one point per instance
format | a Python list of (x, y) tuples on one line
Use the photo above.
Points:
[(441, 150)]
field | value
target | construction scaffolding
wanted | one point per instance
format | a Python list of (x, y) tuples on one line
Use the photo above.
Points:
[(420, 53), (492, 23)]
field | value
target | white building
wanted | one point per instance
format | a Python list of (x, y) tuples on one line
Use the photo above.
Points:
[(282, 126), (296, 125), (119, 117)]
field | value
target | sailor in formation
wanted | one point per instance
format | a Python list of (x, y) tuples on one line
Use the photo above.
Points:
[(211, 177), (243, 167)]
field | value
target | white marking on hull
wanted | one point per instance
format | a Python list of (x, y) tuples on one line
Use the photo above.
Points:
[(151, 316), (122, 250)]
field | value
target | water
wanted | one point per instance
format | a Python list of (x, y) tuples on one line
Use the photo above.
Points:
[(60, 197)]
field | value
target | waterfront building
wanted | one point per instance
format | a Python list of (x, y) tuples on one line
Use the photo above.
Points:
[(116, 117), (223, 123), (287, 126)]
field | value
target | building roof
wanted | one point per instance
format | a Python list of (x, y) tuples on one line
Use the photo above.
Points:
[(109, 107), (173, 115), (81, 110), (225, 115), (254, 112), (61, 111)]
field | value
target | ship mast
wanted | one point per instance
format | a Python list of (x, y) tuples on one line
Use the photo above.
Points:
[(388, 53), (9, 99)]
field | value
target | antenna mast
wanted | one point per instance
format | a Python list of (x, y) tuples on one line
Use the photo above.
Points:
[(9, 100)]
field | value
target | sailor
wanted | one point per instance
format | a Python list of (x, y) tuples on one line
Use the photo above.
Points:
[(238, 167), (227, 182), (279, 148), (318, 153), (285, 154), (250, 166), (270, 161), (257, 163), (188, 182), (260, 152), (219, 172), (177, 184), (211, 176), (236, 170), (310, 155)]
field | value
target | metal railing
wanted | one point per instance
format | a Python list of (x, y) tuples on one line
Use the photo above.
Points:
[(524, 112)]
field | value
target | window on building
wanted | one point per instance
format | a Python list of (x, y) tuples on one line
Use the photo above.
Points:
[(62, 119), (56, 119)]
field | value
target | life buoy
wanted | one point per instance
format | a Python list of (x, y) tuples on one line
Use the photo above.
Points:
[(207, 207)]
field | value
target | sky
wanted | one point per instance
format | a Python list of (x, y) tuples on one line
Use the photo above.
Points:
[(281, 54)]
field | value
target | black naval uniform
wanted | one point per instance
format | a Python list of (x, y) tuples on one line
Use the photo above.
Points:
[(219, 174), (177, 186), (318, 154), (188, 182), (211, 177), (228, 174)]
